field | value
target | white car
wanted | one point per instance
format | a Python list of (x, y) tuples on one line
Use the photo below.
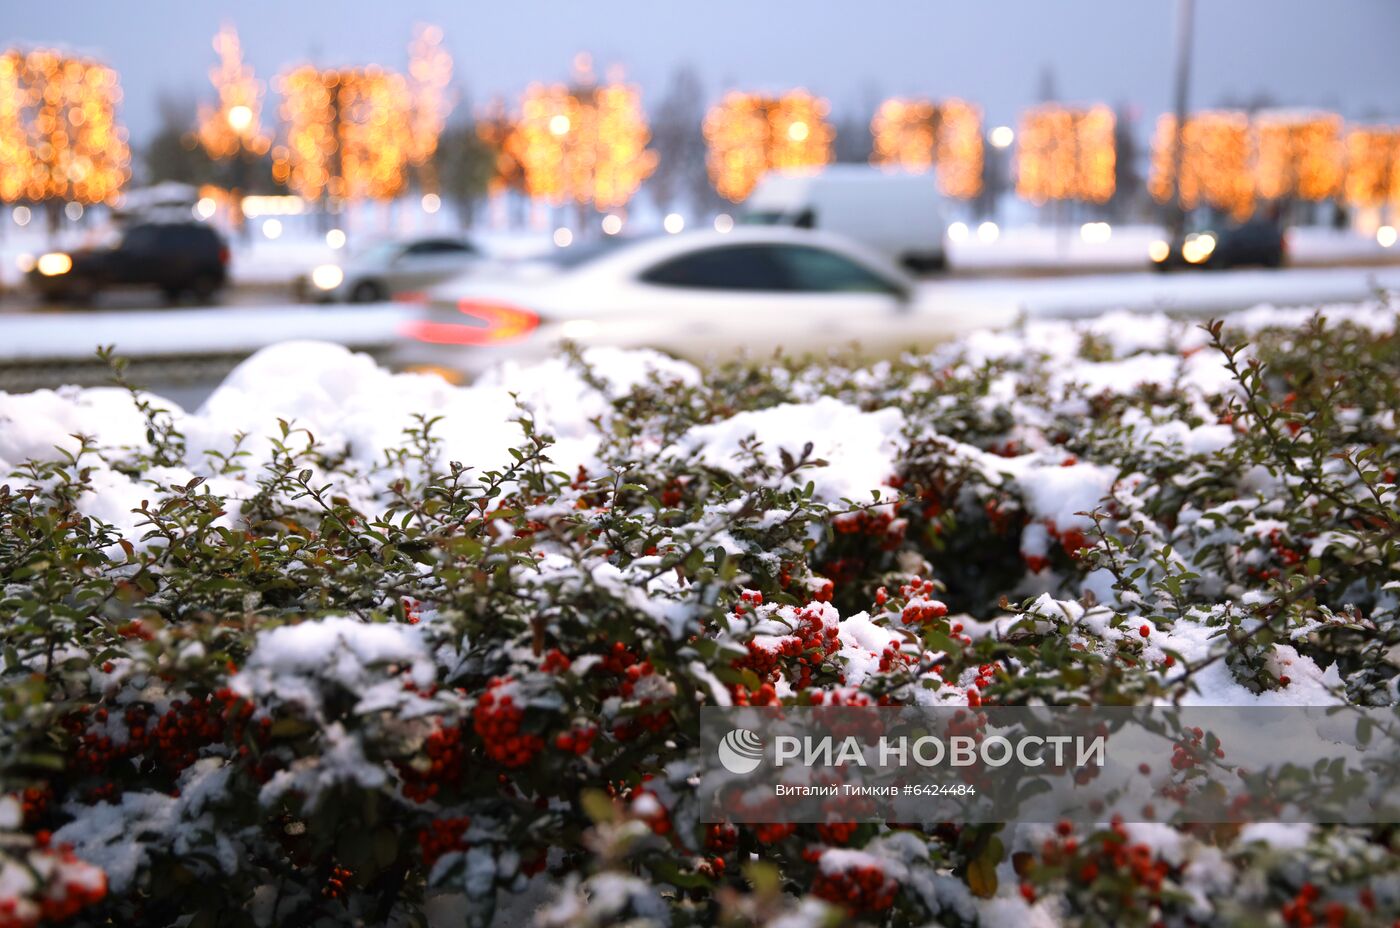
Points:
[(694, 295), (901, 215), (390, 268)]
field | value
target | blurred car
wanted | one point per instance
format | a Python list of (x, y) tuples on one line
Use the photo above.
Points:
[(1260, 241), (901, 215), (693, 295), (175, 257), (389, 268)]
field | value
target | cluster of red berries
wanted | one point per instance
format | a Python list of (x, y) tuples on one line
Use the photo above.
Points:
[(712, 867), (1110, 855), (444, 767), (809, 644), (1301, 910), (1000, 518), (442, 836), (837, 832), (882, 525), (1072, 540), (721, 837), (576, 740), (922, 611), (893, 658), (173, 739), (647, 806), (335, 883), (1191, 752), (34, 803), (556, 661), (765, 695), (861, 889), (618, 659), (748, 598), (985, 673), (496, 720), (412, 610), (71, 886), (773, 832), (135, 629)]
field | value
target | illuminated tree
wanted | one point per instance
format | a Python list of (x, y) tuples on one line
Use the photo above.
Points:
[(1373, 166), (749, 135), (352, 133), (429, 73), (918, 135), (59, 137), (586, 144), (16, 152), (1066, 153), (349, 133), (1299, 155), (305, 161), (1216, 162), (232, 128)]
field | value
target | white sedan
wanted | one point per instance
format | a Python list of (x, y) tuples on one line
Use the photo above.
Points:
[(390, 268), (694, 295)]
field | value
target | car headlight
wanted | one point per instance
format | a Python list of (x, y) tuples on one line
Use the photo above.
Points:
[(1198, 247), (327, 277), (54, 263), (1159, 251)]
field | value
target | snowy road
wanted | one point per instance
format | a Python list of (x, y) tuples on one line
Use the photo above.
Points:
[(184, 353), (232, 330)]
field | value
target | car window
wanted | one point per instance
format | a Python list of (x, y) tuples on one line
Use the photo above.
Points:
[(817, 270), (183, 238), (140, 238), (734, 267), (439, 247)]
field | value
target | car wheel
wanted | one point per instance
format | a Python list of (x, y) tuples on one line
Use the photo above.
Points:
[(204, 288), (926, 262), (368, 291)]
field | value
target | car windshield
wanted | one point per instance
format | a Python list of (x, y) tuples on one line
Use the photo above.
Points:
[(378, 252)]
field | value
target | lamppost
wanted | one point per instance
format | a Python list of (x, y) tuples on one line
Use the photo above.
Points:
[(1176, 212)]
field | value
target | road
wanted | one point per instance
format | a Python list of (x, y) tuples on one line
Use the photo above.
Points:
[(185, 351)]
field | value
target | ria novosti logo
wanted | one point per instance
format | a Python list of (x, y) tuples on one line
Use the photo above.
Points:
[(741, 751)]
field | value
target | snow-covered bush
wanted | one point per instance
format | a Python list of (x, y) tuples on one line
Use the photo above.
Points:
[(349, 647)]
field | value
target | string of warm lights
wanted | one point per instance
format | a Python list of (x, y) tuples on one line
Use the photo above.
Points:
[(585, 144), (1216, 162), (59, 137), (1373, 166), (917, 135), (1066, 153), (1298, 155), (429, 74), (233, 126), (749, 134)]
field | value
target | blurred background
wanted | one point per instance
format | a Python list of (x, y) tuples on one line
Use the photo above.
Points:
[(191, 181)]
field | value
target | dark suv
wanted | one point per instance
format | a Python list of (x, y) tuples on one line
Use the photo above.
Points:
[(175, 257)]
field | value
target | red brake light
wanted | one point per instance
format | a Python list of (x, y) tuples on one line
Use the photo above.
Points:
[(223, 255), (491, 324)]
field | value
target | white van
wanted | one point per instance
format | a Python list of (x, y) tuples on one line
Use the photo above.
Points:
[(900, 214)]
